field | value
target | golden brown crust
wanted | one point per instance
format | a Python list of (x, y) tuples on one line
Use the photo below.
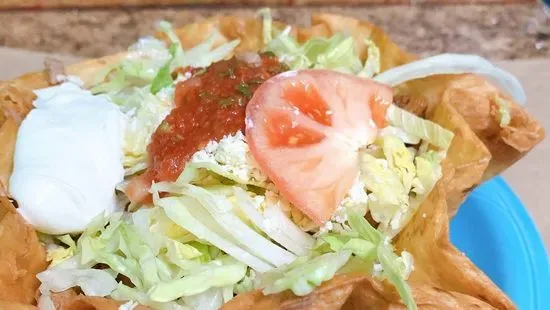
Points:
[(467, 157), (6, 305), (444, 278), (21, 257), (437, 262), (356, 292), (474, 99)]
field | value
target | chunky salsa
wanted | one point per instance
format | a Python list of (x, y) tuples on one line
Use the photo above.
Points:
[(209, 105)]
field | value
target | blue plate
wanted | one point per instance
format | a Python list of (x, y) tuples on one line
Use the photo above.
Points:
[(495, 231)]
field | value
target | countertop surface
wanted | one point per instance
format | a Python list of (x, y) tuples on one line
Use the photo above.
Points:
[(498, 31)]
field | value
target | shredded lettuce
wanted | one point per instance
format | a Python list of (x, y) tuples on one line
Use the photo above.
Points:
[(164, 76), (372, 65), (163, 264), (57, 254), (394, 268), (428, 172), (142, 65), (215, 274), (138, 69), (247, 284), (189, 214), (334, 53), (145, 112), (275, 224), (398, 180), (202, 55), (417, 126), (212, 299), (404, 136), (220, 208), (303, 276), (361, 244), (267, 31), (388, 192), (92, 282), (361, 248)]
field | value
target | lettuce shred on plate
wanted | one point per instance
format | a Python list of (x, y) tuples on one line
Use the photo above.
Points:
[(223, 228)]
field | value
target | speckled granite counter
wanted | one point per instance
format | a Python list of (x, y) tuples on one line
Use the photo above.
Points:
[(499, 32)]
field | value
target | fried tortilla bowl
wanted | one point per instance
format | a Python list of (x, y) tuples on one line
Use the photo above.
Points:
[(444, 278)]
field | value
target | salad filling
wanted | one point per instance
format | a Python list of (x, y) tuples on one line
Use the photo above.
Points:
[(268, 171)]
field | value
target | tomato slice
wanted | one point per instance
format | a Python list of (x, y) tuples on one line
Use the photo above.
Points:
[(305, 128)]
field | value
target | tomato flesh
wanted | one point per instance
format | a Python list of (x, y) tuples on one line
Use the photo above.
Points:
[(307, 99), (305, 128)]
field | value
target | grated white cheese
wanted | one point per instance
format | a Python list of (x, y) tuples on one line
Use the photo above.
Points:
[(327, 227), (356, 200), (377, 270), (233, 155), (130, 305), (407, 260), (62, 78)]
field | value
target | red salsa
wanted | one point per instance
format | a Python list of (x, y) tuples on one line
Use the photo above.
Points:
[(209, 105)]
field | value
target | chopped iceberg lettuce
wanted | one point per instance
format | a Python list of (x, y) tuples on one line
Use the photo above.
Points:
[(361, 248), (361, 244), (151, 62), (267, 23), (164, 75), (215, 274), (247, 284), (58, 253), (226, 222), (419, 127), (372, 65), (398, 180), (394, 268), (139, 247), (388, 194), (189, 214), (92, 282), (428, 172), (304, 275), (397, 132), (275, 224), (334, 53), (144, 113), (220, 208), (211, 299)]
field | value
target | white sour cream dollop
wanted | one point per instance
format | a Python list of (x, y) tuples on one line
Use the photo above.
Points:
[(68, 159)]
